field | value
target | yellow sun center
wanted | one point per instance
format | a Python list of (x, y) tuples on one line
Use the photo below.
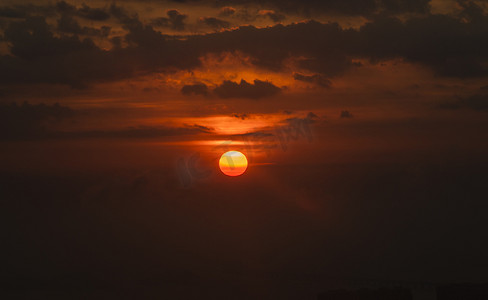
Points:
[(233, 163)]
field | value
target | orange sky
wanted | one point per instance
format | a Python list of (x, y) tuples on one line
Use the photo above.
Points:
[(364, 126)]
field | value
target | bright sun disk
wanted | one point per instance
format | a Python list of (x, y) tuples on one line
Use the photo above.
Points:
[(233, 163)]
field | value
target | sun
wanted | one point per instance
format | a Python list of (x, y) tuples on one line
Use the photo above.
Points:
[(233, 163)]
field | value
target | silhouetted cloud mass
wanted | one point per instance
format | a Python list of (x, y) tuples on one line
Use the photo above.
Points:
[(214, 22), (68, 24), (276, 17), (258, 89), (450, 45), (315, 78), (347, 7), (175, 20), (227, 11)]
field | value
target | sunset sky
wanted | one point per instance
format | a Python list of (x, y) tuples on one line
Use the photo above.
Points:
[(364, 123)]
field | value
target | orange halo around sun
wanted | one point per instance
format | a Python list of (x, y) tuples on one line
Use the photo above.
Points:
[(233, 163)]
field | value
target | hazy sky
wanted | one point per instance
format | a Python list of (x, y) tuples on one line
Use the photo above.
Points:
[(364, 123)]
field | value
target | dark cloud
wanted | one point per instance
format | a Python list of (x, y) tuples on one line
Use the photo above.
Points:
[(68, 24), (116, 42), (85, 11), (346, 7), (246, 15), (61, 7), (296, 121), (13, 12), (65, 7), (405, 6), (20, 11), (250, 15), (449, 45), (195, 89), (274, 16), (40, 57), (214, 22), (95, 14), (260, 89), (346, 114), (315, 79), (32, 39), (322, 48), (241, 116), (227, 11), (120, 13), (175, 20), (471, 10)]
